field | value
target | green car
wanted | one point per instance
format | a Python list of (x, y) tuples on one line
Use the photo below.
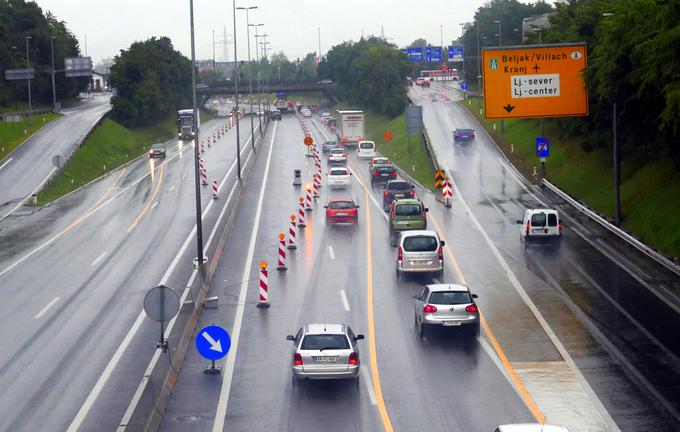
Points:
[(406, 214)]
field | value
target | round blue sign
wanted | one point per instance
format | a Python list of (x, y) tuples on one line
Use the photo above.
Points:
[(464, 85), (213, 342)]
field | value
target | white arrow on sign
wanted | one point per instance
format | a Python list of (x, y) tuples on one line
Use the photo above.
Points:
[(214, 345)]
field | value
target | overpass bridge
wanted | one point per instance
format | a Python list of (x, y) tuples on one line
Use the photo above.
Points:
[(225, 88)]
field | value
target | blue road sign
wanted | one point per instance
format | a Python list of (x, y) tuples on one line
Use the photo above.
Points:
[(455, 53), (542, 147), (464, 85), (415, 54), (213, 342), (433, 54), (280, 94)]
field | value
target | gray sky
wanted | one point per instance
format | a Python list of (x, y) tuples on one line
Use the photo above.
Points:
[(291, 25)]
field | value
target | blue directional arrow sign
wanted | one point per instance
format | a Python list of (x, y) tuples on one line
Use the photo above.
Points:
[(433, 54), (455, 53), (463, 85), (213, 342), (542, 147)]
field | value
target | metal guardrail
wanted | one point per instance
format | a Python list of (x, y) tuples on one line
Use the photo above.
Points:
[(652, 253), (430, 150)]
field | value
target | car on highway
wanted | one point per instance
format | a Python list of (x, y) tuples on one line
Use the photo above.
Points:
[(540, 225), (327, 145), (338, 177), (382, 173), (325, 115), (423, 82), (396, 189), (341, 210), (420, 251), (463, 135), (406, 214), (530, 427), (276, 115), (337, 155), (157, 150), (366, 150), (306, 112), (378, 160), (325, 351), (446, 305)]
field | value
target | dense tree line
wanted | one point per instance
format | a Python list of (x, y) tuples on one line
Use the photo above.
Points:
[(370, 73), (19, 19), (152, 80)]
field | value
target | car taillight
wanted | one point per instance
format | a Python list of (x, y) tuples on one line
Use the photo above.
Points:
[(457, 135), (472, 134), (424, 215), (412, 194), (376, 173), (384, 193), (472, 309), (393, 173), (400, 254), (527, 228), (560, 227), (353, 358), (344, 155), (429, 309), (441, 254), (392, 215), (297, 359)]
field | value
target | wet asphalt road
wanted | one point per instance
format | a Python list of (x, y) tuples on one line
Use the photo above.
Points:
[(30, 165), (74, 289)]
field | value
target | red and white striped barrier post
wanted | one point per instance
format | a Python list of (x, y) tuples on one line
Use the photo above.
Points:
[(301, 213), (447, 193), (204, 177), (308, 200), (291, 233), (202, 147), (200, 164), (282, 253), (263, 301), (316, 188), (214, 190)]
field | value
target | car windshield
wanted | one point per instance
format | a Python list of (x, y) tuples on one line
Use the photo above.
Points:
[(337, 172), (450, 297), (158, 146), (420, 244), (464, 131), (325, 341), (337, 151), (380, 161), (341, 205), (538, 219), (400, 185), (408, 210), (330, 143), (367, 145)]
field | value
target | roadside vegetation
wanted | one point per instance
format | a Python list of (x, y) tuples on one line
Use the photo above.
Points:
[(12, 134), (650, 193)]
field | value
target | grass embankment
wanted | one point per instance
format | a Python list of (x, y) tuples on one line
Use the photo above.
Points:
[(315, 97), (109, 146), (650, 194), (12, 134)]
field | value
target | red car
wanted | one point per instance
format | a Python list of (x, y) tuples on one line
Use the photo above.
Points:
[(341, 210)]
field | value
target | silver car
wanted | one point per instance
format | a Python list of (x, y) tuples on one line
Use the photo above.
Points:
[(325, 351), (420, 251), (446, 305)]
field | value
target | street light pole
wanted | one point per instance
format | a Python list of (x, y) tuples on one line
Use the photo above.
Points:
[(236, 79), (214, 71), (441, 42), (28, 66), (257, 61), (197, 180), (54, 90), (479, 64), (250, 75), (617, 169), (500, 44)]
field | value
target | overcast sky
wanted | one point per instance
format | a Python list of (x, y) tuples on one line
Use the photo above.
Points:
[(291, 25)]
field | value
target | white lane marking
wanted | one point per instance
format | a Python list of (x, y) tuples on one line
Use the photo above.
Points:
[(154, 204), (118, 354), (171, 189), (330, 251), (46, 308), (6, 162), (369, 384), (223, 400), (184, 176), (344, 300), (99, 258), (28, 196)]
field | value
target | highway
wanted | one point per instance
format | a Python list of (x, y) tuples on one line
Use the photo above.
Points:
[(74, 275), (25, 170)]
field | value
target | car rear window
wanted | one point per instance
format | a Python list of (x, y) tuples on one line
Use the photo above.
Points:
[(450, 297), (367, 145), (331, 143), (538, 219), (408, 210), (384, 168), (335, 172), (337, 151), (420, 244), (325, 341), (341, 205), (399, 185), (465, 131), (552, 219)]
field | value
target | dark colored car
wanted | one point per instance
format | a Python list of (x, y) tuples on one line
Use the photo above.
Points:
[(463, 135), (341, 211), (383, 173), (157, 150), (328, 146), (396, 189), (276, 115)]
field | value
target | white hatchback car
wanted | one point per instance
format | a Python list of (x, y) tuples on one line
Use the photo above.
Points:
[(337, 156), (366, 150), (338, 177), (540, 225)]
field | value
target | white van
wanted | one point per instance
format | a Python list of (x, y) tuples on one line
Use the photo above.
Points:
[(366, 150), (540, 224)]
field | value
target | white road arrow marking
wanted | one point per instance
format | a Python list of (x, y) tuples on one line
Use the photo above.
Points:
[(214, 345)]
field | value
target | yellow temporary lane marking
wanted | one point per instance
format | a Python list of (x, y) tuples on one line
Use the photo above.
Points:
[(528, 400), (384, 416), (149, 201), (95, 205)]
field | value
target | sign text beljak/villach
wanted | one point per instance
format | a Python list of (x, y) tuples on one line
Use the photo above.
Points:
[(534, 57)]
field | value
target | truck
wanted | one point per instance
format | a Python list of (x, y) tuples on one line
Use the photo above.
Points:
[(350, 127), (185, 124), (281, 105)]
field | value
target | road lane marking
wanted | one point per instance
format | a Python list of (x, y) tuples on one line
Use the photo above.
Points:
[(6, 162), (46, 308), (29, 195), (330, 252), (223, 401), (149, 202), (154, 204), (99, 258), (344, 300), (369, 384), (382, 409), (171, 189)]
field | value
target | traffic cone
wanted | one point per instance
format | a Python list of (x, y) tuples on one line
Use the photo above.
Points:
[(301, 213), (263, 301), (291, 233), (214, 190), (282, 253)]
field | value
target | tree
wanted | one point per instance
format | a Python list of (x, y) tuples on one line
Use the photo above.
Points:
[(152, 80)]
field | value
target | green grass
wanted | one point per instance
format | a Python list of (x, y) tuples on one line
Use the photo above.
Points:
[(20, 106), (12, 134), (315, 97), (109, 146), (650, 194)]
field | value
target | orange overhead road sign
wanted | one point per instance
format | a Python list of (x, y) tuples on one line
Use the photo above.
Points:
[(535, 81)]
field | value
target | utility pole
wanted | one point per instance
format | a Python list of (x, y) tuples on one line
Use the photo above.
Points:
[(500, 44), (617, 169), (28, 66), (236, 79), (319, 56), (250, 74), (214, 71), (54, 91), (479, 64)]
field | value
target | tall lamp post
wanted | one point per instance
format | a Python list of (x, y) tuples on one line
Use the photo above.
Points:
[(250, 74), (54, 90), (257, 60), (462, 32), (266, 66), (617, 157), (479, 63), (28, 66), (197, 180), (236, 79), (500, 44)]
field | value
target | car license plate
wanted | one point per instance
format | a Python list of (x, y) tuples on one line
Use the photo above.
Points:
[(325, 359), (343, 214), (450, 323), (398, 195)]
